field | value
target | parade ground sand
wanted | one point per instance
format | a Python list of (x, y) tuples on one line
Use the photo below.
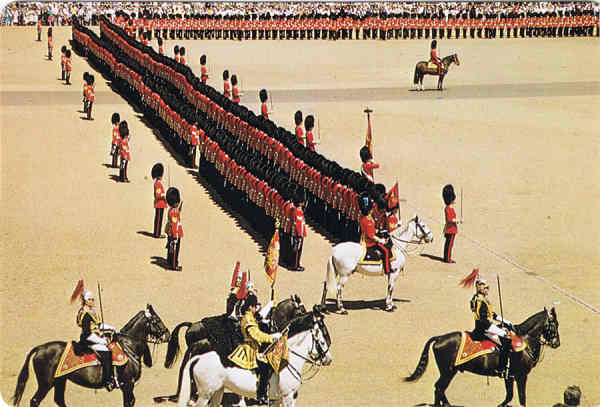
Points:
[(516, 129)]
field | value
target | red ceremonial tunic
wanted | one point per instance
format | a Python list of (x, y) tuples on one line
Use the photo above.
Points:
[(226, 91), (174, 227), (367, 227), (236, 95), (310, 142), (450, 227), (159, 195), (264, 111), (299, 134), (204, 74), (299, 223), (367, 169), (116, 135)]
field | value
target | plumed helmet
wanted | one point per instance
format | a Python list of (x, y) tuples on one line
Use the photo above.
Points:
[(234, 80), (87, 295), (480, 284), (116, 118), (263, 95), (365, 204), (572, 396), (448, 194), (157, 170), (173, 197), (309, 122), (176, 49), (433, 44), (365, 154), (123, 129), (202, 59), (298, 117), (182, 51)]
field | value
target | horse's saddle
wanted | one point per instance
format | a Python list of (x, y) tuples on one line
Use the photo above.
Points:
[(372, 257), (72, 360), (431, 65), (472, 346), (224, 336)]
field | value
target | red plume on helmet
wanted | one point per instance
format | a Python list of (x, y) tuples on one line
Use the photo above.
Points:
[(243, 289), (469, 280), (77, 292), (235, 274)]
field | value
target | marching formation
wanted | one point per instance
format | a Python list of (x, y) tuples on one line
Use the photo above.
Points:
[(271, 177)]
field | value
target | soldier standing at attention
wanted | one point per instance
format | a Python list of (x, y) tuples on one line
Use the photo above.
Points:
[(39, 27), (309, 125), (161, 51), (67, 66), (116, 139), (450, 228), (160, 201), (298, 231), (203, 71), (299, 130), (63, 60), (263, 107), (434, 58), (174, 229), (236, 92), (176, 52), (124, 147), (226, 89), (182, 53), (50, 43), (90, 96)]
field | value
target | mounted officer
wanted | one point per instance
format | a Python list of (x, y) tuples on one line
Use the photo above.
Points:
[(247, 355), (91, 335), (369, 237), (434, 58), (486, 324)]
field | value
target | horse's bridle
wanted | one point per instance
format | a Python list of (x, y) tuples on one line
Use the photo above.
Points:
[(320, 352), (550, 333), (419, 227)]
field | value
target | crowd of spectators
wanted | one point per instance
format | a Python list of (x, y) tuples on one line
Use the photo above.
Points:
[(61, 13)]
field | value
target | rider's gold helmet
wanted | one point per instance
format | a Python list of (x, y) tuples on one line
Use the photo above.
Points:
[(480, 285)]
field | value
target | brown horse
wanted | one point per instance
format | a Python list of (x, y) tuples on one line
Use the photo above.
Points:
[(146, 326), (538, 330), (421, 70)]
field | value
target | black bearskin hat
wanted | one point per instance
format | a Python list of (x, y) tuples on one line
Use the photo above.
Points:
[(434, 44), (116, 118), (263, 95), (123, 129), (448, 194), (173, 197), (203, 59), (225, 74), (309, 122), (299, 197), (64, 49), (380, 189), (365, 154), (160, 41), (157, 170), (182, 51), (572, 396), (298, 117), (91, 79), (365, 204), (85, 76), (68, 53), (234, 80), (176, 49)]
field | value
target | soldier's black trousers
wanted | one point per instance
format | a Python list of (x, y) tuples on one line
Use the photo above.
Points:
[(158, 218)]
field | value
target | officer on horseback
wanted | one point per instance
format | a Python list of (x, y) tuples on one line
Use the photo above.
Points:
[(434, 58), (91, 326), (247, 355), (369, 236), (486, 324)]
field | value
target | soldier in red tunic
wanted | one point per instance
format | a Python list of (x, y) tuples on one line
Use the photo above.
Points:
[(203, 71), (174, 229), (124, 147), (369, 234), (263, 107), (226, 89), (235, 90), (176, 52), (450, 229), (368, 164), (309, 125), (298, 231), (116, 139), (434, 58), (160, 45), (182, 55), (299, 130), (160, 202)]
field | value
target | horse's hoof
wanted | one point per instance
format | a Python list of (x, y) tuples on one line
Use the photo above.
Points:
[(343, 311), (391, 308)]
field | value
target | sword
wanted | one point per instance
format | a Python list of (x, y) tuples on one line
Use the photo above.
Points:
[(500, 299), (100, 301)]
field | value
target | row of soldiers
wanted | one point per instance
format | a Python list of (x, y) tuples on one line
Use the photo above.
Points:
[(372, 27)]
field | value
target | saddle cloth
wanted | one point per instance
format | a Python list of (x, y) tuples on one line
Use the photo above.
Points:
[(431, 65), (470, 349), (69, 361), (371, 257)]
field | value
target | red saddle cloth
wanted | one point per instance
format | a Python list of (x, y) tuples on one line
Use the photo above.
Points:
[(69, 361), (470, 349)]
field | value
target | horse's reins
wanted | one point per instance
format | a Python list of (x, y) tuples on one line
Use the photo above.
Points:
[(313, 362), (420, 241)]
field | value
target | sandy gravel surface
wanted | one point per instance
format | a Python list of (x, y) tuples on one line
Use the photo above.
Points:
[(516, 129)]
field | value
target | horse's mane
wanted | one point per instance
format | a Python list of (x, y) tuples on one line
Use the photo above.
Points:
[(300, 324), (529, 323), (129, 325)]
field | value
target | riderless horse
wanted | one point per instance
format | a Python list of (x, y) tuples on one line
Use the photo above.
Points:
[(146, 326), (198, 333), (422, 69), (308, 342), (345, 258), (538, 330)]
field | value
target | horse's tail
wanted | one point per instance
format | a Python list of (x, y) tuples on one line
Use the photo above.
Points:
[(416, 77), (184, 394), (331, 280), (23, 376), (422, 366), (173, 348)]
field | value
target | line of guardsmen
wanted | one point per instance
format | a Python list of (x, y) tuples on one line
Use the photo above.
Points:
[(469, 24), (260, 169)]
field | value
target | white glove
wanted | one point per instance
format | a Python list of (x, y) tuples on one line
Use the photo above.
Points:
[(276, 336), (504, 320)]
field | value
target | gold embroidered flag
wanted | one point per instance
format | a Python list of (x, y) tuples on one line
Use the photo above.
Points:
[(369, 137), (278, 352), (272, 257)]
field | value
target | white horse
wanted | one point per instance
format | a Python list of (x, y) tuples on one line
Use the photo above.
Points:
[(308, 341), (344, 261)]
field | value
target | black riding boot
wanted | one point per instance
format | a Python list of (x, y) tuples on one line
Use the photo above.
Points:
[(505, 348), (107, 370), (264, 372)]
